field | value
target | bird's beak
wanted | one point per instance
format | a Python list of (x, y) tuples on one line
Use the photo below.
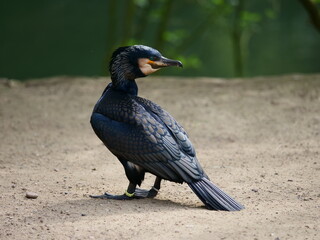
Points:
[(165, 62), (169, 62)]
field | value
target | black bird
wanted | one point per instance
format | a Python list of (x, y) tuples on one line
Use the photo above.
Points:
[(146, 138)]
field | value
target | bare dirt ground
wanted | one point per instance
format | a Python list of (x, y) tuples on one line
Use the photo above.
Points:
[(258, 139)]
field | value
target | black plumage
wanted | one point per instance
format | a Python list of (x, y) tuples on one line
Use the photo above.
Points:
[(146, 138)]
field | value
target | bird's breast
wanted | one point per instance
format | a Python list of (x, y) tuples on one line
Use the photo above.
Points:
[(118, 107)]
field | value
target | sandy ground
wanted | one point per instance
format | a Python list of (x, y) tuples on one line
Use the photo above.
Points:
[(258, 139)]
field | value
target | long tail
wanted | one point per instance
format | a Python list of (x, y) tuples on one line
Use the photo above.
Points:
[(213, 197)]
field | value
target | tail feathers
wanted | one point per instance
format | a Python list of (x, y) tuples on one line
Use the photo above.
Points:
[(213, 197)]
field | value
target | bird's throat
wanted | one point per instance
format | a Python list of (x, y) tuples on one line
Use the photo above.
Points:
[(128, 86)]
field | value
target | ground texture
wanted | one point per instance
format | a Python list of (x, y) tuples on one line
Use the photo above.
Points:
[(258, 139)]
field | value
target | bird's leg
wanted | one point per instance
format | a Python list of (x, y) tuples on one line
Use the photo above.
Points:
[(128, 195), (149, 193), (155, 189)]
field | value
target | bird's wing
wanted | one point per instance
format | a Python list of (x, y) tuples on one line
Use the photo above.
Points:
[(172, 125), (148, 142)]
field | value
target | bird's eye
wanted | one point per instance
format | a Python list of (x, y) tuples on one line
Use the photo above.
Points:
[(153, 58)]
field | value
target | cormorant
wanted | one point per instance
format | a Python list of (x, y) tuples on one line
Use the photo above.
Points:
[(146, 138)]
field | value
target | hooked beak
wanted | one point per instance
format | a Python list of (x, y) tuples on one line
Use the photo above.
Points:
[(148, 66), (169, 62), (164, 62)]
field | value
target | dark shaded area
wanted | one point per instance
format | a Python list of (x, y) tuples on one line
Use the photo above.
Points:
[(313, 12), (213, 38)]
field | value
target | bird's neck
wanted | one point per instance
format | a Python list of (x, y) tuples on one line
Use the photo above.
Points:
[(123, 77), (128, 86)]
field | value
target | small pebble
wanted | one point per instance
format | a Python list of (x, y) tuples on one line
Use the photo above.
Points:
[(31, 195)]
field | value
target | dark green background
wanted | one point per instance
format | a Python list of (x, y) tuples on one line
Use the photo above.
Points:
[(75, 37)]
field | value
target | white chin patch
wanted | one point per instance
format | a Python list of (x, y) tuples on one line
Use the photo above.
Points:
[(145, 66)]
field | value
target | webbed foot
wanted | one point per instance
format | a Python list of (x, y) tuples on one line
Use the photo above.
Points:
[(115, 197), (139, 193), (142, 193)]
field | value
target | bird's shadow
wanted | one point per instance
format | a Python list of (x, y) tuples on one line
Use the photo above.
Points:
[(73, 210)]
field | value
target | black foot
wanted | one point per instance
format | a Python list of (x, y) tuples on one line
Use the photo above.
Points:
[(138, 194), (142, 193), (115, 197)]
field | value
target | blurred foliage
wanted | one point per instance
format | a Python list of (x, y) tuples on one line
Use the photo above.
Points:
[(312, 8), (220, 38)]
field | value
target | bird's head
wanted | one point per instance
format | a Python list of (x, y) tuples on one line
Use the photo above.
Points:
[(129, 63)]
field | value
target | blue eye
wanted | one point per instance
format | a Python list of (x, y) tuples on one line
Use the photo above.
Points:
[(153, 58)]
